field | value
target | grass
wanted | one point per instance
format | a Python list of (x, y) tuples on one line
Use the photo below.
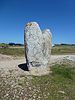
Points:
[(62, 49), (62, 71), (3, 44), (58, 85), (57, 50), (12, 51)]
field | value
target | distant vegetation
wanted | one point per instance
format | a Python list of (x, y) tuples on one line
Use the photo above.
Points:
[(63, 49), (10, 44), (12, 51), (15, 44), (64, 45), (18, 49), (3, 45)]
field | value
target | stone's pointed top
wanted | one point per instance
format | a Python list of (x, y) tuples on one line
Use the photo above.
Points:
[(32, 24), (47, 31)]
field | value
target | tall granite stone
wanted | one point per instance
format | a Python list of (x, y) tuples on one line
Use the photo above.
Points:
[(37, 45)]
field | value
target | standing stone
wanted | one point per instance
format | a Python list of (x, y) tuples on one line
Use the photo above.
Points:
[(37, 45), (47, 45)]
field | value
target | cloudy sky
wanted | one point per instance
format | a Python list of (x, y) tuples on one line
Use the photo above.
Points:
[(57, 15)]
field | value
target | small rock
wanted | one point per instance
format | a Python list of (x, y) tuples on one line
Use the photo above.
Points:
[(30, 88), (61, 92)]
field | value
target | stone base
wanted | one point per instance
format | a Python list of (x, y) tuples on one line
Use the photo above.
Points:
[(38, 71)]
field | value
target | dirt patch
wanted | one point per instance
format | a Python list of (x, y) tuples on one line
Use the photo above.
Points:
[(16, 83), (12, 63)]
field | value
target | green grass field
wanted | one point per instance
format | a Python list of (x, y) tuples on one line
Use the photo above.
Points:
[(58, 85), (63, 49), (12, 51), (57, 50)]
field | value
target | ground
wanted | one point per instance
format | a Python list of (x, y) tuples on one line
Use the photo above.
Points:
[(17, 83)]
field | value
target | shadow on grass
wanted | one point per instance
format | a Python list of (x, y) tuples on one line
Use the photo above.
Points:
[(23, 66)]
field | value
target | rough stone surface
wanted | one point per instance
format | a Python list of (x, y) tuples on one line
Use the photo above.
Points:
[(37, 45)]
